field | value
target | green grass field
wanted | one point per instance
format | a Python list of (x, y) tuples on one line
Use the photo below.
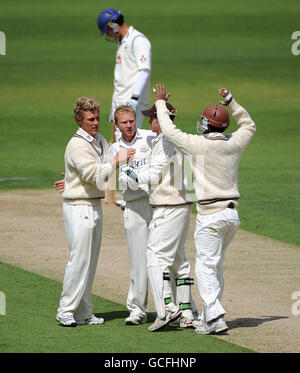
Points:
[(55, 54), (29, 325)]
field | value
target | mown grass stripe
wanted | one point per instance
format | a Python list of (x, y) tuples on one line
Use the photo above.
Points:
[(29, 325)]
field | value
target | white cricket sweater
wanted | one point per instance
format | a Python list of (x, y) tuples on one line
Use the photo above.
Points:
[(86, 169), (165, 175), (142, 144), (215, 157)]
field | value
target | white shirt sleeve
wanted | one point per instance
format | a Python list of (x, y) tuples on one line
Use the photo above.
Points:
[(89, 170), (141, 49), (160, 159), (112, 152), (142, 78)]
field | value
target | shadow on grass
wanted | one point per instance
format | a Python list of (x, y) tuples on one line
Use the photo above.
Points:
[(248, 322), (114, 315)]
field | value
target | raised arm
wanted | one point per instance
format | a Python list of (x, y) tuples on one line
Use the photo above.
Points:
[(191, 144), (186, 143)]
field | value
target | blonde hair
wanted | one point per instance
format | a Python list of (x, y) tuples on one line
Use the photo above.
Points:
[(84, 104), (123, 109)]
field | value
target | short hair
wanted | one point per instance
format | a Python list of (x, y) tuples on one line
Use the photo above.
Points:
[(120, 20), (123, 109), (84, 104)]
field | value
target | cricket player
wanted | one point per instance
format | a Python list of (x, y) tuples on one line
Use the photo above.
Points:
[(216, 158), (132, 66), (169, 226), (137, 212), (86, 171)]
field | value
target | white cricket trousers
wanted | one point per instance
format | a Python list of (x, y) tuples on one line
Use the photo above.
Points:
[(83, 226), (213, 233), (165, 252), (137, 217)]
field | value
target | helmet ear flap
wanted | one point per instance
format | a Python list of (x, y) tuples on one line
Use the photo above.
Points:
[(114, 26)]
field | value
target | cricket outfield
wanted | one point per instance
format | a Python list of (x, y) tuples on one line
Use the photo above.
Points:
[(54, 54)]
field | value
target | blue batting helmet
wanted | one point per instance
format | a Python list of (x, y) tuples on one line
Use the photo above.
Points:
[(105, 17)]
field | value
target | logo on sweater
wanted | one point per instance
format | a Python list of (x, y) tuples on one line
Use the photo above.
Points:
[(143, 58), (118, 60), (144, 149), (136, 162)]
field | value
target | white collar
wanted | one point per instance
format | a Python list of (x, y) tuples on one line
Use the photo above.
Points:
[(215, 134), (137, 135), (84, 134), (157, 138), (128, 34)]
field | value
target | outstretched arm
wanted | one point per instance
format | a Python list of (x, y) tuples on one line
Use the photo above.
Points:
[(186, 143), (192, 144)]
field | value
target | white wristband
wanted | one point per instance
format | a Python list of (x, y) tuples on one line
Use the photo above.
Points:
[(228, 97)]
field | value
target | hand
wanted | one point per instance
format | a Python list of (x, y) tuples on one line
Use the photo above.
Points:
[(133, 103), (124, 155), (160, 92), (126, 182), (129, 171), (59, 185), (227, 96), (111, 117)]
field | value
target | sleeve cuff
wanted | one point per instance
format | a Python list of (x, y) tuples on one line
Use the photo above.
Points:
[(233, 105), (110, 169)]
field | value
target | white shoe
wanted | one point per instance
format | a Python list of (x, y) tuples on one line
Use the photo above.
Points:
[(212, 327), (67, 320), (135, 320), (186, 319), (92, 320), (197, 323), (185, 323), (121, 203), (161, 323), (182, 322)]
